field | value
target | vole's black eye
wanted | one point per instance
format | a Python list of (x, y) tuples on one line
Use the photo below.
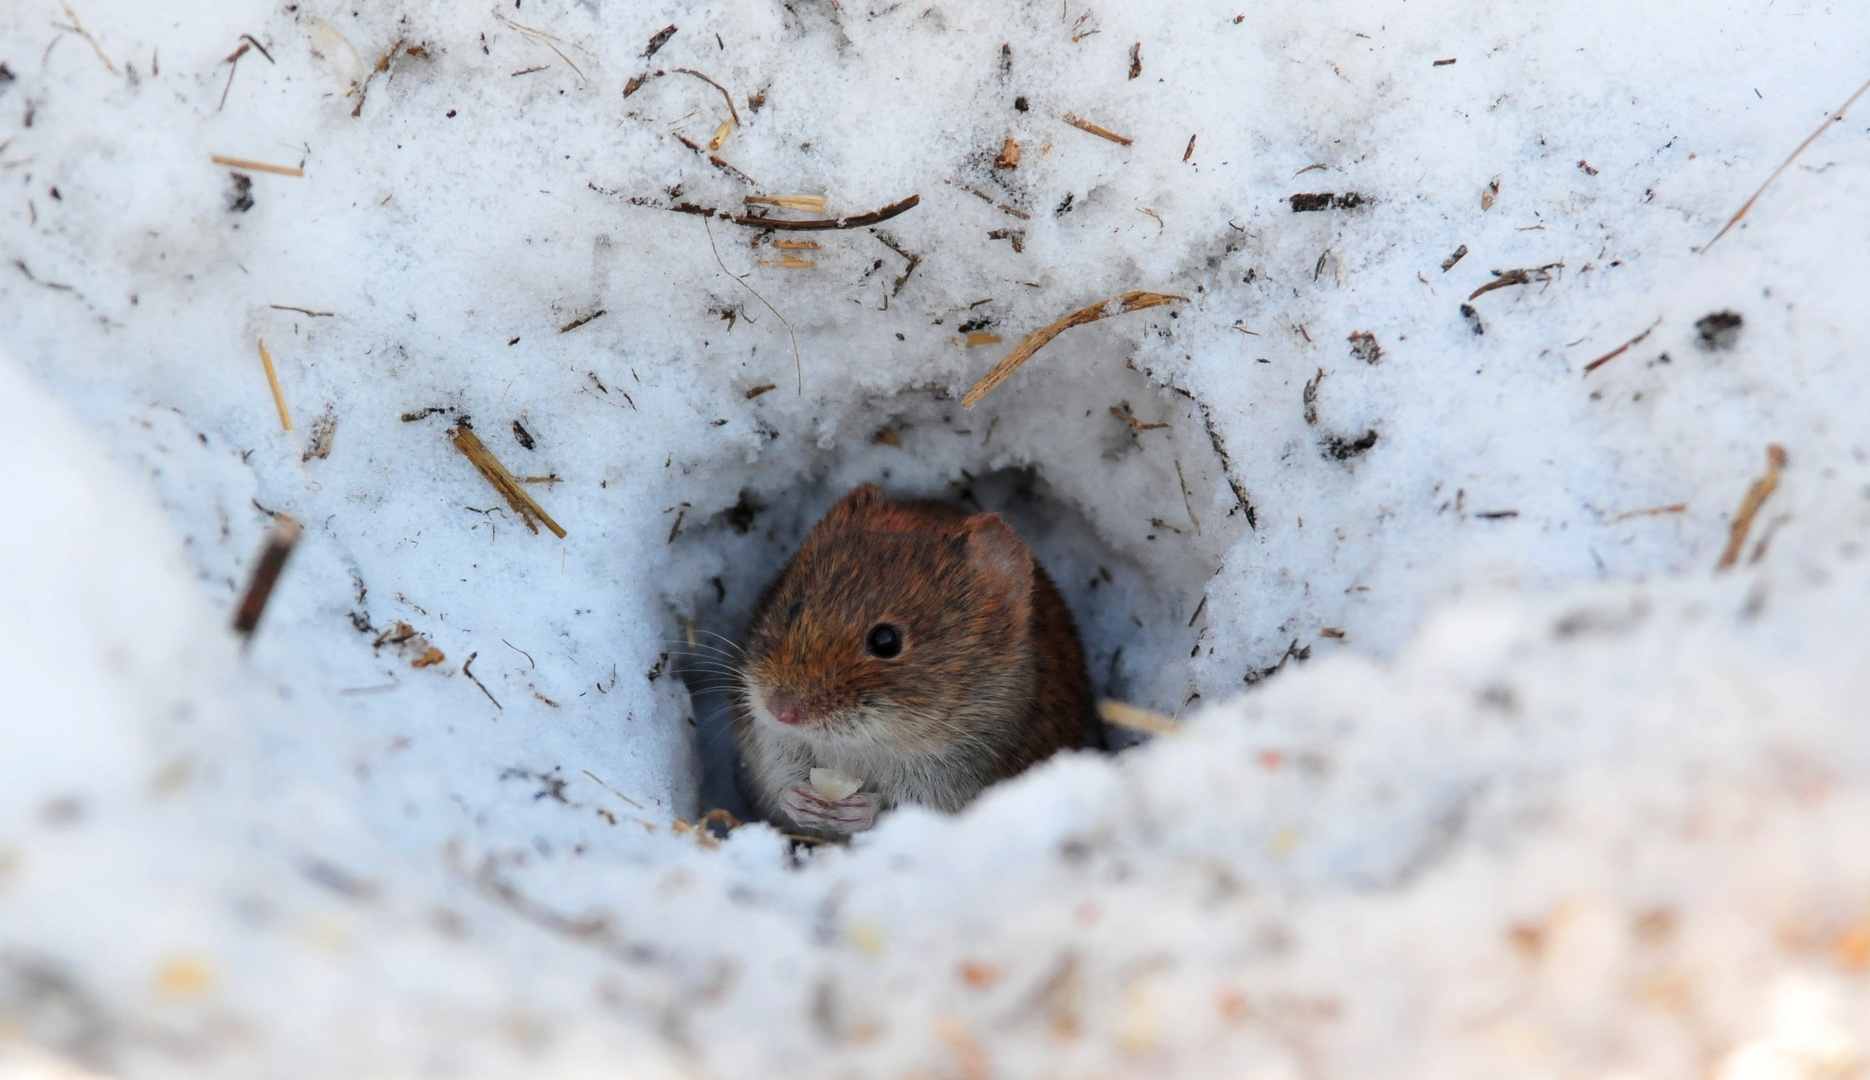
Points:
[(792, 616), (884, 641)]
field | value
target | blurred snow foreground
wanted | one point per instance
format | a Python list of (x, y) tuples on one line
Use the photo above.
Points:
[(1484, 769)]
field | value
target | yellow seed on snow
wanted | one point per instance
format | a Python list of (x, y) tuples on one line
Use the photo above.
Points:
[(867, 938), (185, 977)]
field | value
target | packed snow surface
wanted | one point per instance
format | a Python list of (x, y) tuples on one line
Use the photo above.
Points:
[(1484, 769)]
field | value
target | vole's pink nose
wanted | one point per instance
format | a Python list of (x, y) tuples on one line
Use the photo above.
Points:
[(786, 708)]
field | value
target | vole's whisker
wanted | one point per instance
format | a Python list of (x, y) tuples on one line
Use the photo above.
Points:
[(730, 643)]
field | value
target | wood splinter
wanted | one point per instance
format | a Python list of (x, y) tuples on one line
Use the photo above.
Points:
[(1757, 495), (286, 533), (1100, 132), (1130, 301), (522, 503)]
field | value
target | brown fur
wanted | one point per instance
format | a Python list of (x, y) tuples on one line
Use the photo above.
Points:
[(990, 680)]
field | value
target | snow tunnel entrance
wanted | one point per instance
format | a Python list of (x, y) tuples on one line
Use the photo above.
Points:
[(1111, 481)]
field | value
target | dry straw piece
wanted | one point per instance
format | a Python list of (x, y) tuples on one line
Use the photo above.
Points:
[(516, 497), (811, 203), (256, 166), (1129, 716), (1757, 495), (272, 379), (1131, 301)]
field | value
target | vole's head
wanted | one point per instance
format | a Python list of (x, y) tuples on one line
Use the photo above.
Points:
[(896, 627)]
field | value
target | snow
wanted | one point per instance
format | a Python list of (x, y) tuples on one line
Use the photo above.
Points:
[(1484, 770)]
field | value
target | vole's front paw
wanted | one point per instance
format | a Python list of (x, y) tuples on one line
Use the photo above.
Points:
[(851, 814)]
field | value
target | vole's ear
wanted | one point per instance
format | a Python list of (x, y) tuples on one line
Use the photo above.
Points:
[(1001, 559), (855, 502)]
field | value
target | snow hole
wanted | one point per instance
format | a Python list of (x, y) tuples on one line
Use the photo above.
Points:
[(1048, 453)]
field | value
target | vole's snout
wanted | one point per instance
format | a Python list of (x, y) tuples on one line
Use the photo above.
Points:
[(777, 704), (785, 707)]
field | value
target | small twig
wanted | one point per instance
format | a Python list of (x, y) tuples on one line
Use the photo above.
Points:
[(715, 160), (247, 42), (286, 533), (465, 664), (576, 323), (857, 222), (912, 260), (1619, 350), (303, 311), (1653, 511), (522, 503), (1133, 421), (233, 62), (1750, 506), (612, 790), (1522, 276), (363, 88), (797, 363), (256, 166), (542, 38), (77, 27), (1100, 132), (1131, 301), (1187, 502), (731, 111), (272, 379), (1783, 166)]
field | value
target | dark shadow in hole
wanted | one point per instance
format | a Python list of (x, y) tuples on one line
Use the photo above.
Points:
[(1112, 599)]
